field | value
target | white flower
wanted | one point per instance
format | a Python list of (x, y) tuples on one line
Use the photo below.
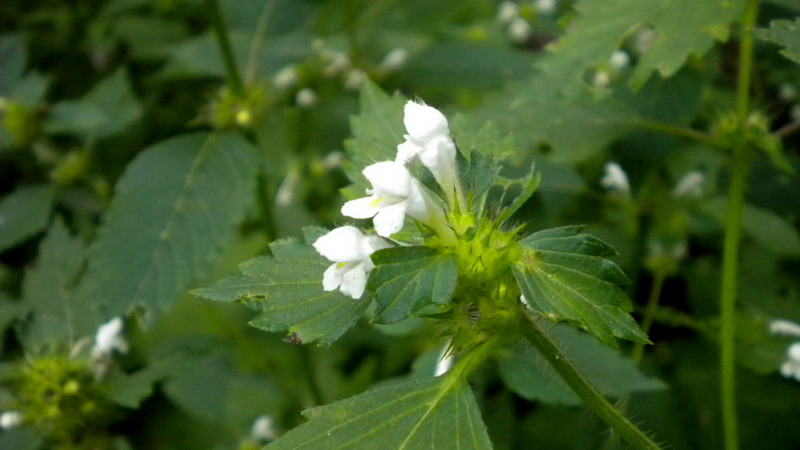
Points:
[(263, 429), (338, 63), (506, 12), (424, 123), (109, 338), (619, 59), (545, 6), (10, 419), (784, 328), (787, 92), (791, 368), (394, 60), (643, 40), (285, 78), (306, 98), (355, 79), (615, 178), (394, 194), (691, 185), (349, 249), (601, 79), (519, 30)]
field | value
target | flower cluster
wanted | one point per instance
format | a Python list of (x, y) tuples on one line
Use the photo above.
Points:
[(394, 194), (791, 367)]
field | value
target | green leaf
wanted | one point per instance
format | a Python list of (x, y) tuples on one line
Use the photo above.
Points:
[(377, 129), (564, 275), (786, 34), (528, 374), (430, 413), (287, 290), (574, 129), (24, 213), (59, 315), (110, 107), (602, 26), (176, 206), (528, 186), (408, 278)]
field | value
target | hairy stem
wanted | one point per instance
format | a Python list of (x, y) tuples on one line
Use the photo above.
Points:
[(676, 130), (733, 231), (233, 77), (533, 332)]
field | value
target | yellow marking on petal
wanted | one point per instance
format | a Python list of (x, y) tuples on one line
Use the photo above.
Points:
[(374, 202), (340, 265)]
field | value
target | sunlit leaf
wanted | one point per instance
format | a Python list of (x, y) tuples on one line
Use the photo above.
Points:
[(432, 413), (408, 278), (785, 33), (286, 288), (564, 274)]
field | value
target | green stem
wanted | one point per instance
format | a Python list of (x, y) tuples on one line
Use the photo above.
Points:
[(649, 313), (472, 359), (234, 78), (593, 400), (311, 376), (733, 231)]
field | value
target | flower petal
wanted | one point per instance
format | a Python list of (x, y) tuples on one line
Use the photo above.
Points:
[(406, 152), (361, 208), (354, 281), (332, 278), (424, 122), (389, 179), (390, 219), (416, 206), (342, 244), (439, 154)]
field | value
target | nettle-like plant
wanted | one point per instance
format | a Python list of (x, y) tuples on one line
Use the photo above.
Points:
[(445, 248)]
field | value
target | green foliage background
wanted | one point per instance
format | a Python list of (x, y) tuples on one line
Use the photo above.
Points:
[(131, 175)]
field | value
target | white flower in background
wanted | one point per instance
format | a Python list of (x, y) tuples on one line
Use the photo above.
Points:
[(506, 12), (782, 327), (519, 30), (263, 429), (444, 362), (394, 60), (109, 338), (619, 59), (338, 62), (545, 6), (691, 185), (349, 249), (791, 368), (306, 98), (615, 179), (285, 78), (524, 300), (355, 79), (787, 92), (794, 113), (643, 40), (601, 79), (10, 419), (394, 194)]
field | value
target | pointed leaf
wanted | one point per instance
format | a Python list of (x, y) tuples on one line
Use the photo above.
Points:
[(408, 278), (785, 33), (528, 374), (24, 213), (287, 290), (107, 109), (176, 207), (59, 315), (602, 26), (428, 413), (563, 274)]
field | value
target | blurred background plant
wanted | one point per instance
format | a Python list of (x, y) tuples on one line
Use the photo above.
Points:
[(148, 147)]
